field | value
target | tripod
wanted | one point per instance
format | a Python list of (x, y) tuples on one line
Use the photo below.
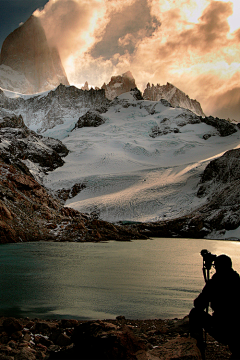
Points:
[(207, 264)]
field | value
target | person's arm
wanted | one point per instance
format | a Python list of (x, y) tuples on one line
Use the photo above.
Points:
[(202, 301)]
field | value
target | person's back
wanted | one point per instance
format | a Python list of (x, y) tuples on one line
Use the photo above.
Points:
[(222, 293), (225, 295)]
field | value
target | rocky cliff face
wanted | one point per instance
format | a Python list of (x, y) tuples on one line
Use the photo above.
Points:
[(26, 51), (42, 154), (173, 95), (118, 85), (45, 111)]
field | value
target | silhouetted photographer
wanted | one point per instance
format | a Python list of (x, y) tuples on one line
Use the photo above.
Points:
[(222, 293)]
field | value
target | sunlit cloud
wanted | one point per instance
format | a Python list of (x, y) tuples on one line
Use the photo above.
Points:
[(193, 44)]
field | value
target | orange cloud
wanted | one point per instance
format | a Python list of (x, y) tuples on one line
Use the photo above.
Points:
[(68, 24), (193, 44)]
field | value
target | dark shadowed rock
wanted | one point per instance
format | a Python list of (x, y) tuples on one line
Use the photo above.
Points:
[(12, 122), (12, 325), (66, 194), (91, 118), (118, 338), (136, 94), (26, 354), (20, 142), (180, 348), (224, 127)]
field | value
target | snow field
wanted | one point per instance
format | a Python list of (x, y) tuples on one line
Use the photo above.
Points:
[(132, 176)]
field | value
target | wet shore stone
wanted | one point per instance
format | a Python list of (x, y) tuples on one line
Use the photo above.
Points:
[(119, 338)]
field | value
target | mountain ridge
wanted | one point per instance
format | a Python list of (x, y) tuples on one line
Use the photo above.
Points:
[(173, 95)]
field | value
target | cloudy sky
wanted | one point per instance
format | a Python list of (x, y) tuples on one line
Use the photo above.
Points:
[(193, 44)]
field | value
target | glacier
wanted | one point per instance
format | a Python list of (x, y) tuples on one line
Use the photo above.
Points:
[(129, 175)]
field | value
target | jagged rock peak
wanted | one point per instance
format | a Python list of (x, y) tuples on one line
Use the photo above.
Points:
[(173, 95), (119, 84), (26, 51), (85, 86)]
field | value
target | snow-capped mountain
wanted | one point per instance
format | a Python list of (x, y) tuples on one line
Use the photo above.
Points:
[(129, 159), (53, 113), (144, 160), (27, 63), (28, 212), (173, 95)]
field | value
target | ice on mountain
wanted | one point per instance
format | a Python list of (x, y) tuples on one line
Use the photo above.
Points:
[(131, 176)]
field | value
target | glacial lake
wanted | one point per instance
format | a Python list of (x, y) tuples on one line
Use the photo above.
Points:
[(142, 279)]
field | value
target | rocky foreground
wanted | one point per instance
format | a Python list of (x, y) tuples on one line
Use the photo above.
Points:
[(25, 339)]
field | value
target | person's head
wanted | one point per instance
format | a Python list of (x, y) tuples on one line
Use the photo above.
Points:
[(223, 263)]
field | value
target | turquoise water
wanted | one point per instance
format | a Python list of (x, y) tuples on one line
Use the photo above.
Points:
[(141, 279)]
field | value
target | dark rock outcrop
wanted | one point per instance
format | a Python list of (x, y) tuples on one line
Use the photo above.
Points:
[(91, 118), (26, 51), (65, 194), (136, 94), (223, 169), (16, 140), (157, 131), (224, 127)]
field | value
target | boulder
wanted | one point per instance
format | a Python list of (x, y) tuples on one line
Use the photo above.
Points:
[(91, 118), (12, 325), (179, 348), (26, 354), (63, 340)]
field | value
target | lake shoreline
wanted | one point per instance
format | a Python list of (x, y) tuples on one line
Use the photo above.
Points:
[(46, 339), (158, 278)]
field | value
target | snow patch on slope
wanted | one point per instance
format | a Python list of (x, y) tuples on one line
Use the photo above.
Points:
[(13, 80), (131, 176)]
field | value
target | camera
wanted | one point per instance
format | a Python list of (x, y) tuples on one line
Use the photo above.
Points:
[(208, 258)]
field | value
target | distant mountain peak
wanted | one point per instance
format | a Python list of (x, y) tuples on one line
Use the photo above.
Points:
[(128, 74), (27, 52), (119, 84), (173, 95), (85, 86)]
